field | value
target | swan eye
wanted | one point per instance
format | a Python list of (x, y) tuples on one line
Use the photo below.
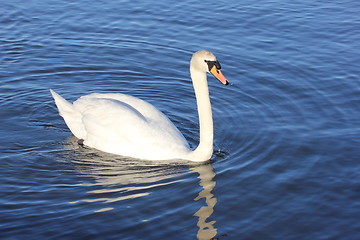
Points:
[(211, 64)]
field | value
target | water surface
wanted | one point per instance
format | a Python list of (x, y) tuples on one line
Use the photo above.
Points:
[(286, 160)]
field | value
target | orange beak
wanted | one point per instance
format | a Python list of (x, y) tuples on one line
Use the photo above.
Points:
[(218, 75)]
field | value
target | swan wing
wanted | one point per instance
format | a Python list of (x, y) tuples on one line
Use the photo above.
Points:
[(125, 125)]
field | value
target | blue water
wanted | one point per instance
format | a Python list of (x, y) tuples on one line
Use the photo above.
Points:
[(287, 129)]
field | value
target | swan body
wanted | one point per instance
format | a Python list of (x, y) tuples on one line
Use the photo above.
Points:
[(128, 126)]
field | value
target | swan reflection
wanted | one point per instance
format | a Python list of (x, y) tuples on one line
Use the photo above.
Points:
[(111, 174), (207, 230), (114, 179)]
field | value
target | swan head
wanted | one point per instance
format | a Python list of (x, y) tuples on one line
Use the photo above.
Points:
[(205, 61)]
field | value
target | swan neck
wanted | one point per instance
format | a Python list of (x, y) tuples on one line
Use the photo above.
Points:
[(204, 150)]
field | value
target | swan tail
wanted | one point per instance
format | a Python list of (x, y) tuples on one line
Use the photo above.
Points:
[(72, 117), (63, 106)]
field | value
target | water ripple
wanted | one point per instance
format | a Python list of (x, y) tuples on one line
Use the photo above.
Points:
[(286, 129)]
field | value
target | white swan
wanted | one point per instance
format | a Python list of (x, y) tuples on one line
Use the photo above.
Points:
[(128, 126)]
